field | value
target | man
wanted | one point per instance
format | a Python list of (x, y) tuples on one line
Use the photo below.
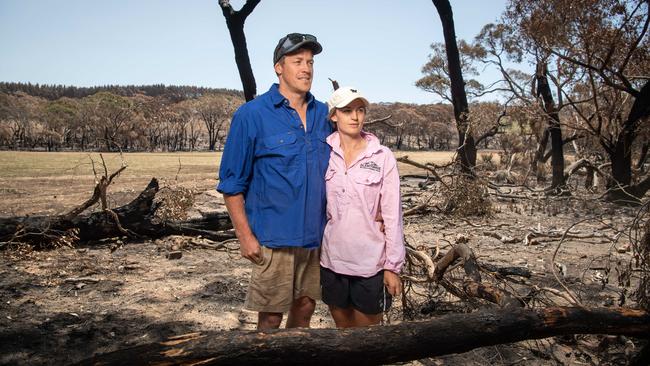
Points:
[(272, 179)]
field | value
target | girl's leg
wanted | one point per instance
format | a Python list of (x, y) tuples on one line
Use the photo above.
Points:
[(364, 320), (343, 317)]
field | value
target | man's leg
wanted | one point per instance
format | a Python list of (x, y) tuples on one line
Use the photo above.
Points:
[(268, 320), (300, 313), (307, 289), (270, 290)]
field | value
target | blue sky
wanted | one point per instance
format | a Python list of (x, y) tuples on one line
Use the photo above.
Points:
[(378, 46)]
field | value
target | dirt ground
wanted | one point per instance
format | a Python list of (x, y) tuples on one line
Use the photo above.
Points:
[(64, 305)]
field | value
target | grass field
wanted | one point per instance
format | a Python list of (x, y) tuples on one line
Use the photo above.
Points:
[(22, 164), (53, 182)]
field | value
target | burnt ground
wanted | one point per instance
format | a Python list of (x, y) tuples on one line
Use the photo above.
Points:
[(64, 305)]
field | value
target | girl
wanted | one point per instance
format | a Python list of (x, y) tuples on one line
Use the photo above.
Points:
[(360, 262)]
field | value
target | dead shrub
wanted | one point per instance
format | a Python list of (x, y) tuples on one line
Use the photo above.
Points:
[(642, 257), (542, 173), (172, 204), (466, 197), (488, 162), (504, 176)]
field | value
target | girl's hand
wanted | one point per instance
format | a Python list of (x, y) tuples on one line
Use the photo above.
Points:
[(393, 283)]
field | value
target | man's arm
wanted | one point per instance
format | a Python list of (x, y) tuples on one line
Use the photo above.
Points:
[(248, 244)]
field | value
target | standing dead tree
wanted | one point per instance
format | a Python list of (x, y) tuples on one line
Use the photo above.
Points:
[(555, 132), (606, 41), (466, 144), (235, 21)]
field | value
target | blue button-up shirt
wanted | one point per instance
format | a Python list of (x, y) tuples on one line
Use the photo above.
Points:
[(279, 167)]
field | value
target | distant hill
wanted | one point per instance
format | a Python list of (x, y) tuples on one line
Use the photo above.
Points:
[(171, 92)]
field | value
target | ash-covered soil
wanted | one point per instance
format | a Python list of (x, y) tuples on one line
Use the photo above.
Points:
[(64, 305)]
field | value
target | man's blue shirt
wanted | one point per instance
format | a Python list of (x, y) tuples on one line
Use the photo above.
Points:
[(280, 168)]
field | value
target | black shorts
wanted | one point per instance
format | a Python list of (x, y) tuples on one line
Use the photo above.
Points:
[(368, 295)]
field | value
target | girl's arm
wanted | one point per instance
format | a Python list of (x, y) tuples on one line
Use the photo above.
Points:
[(391, 211)]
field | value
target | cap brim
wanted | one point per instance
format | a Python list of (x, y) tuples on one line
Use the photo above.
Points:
[(347, 101)]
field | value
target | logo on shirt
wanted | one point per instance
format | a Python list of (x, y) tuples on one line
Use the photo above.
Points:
[(370, 165)]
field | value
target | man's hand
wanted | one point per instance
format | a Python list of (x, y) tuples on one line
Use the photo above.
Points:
[(393, 283), (248, 244), (250, 249)]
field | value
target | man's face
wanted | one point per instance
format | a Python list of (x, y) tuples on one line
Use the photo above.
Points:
[(295, 71)]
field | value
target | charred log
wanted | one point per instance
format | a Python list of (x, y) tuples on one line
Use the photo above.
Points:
[(136, 220), (407, 341)]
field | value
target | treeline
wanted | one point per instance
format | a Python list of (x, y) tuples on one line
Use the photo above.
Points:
[(171, 92), (107, 121), (171, 118)]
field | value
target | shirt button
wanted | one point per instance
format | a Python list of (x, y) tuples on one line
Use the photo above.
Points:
[(281, 141), (343, 190)]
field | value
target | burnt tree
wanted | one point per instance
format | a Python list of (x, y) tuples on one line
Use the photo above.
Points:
[(554, 130), (235, 21), (135, 220), (620, 151), (466, 144)]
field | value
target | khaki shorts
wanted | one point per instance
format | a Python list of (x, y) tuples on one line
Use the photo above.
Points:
[(283, 275)]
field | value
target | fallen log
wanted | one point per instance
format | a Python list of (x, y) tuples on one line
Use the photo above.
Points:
[(407, 341), (135, 219), (506, 271), (491, 293)]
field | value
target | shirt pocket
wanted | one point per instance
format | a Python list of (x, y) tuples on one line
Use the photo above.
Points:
[(282, 148), (369, 186), (336, 197)]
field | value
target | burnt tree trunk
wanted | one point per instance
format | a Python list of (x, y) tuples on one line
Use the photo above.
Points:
[(136, 220), (235, 21), (407, 341), (539, 156), (643, 156), (620, 155), (466, 145), (555, 132)]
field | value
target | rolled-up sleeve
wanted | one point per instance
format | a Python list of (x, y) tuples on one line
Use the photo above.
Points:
[(236, 168), (391, 211)]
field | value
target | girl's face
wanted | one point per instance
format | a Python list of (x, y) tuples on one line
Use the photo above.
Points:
[(349, 119)]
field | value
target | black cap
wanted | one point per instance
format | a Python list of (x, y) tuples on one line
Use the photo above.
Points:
[(294, 41)]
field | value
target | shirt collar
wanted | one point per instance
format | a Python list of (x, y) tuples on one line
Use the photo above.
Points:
[(334, 140), (277, 98)]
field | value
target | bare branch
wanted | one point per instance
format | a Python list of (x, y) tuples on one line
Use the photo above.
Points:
[(405, 159), (383, 120)]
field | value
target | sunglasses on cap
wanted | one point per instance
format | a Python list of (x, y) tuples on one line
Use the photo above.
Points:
[(295, 38), (293, 41)]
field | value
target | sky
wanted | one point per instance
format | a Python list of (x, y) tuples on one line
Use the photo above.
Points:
[(378, 46)]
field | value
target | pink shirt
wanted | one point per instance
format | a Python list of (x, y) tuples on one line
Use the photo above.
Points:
[(353, 243)]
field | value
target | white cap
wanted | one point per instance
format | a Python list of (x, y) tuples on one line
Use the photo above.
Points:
[(344, 96)]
